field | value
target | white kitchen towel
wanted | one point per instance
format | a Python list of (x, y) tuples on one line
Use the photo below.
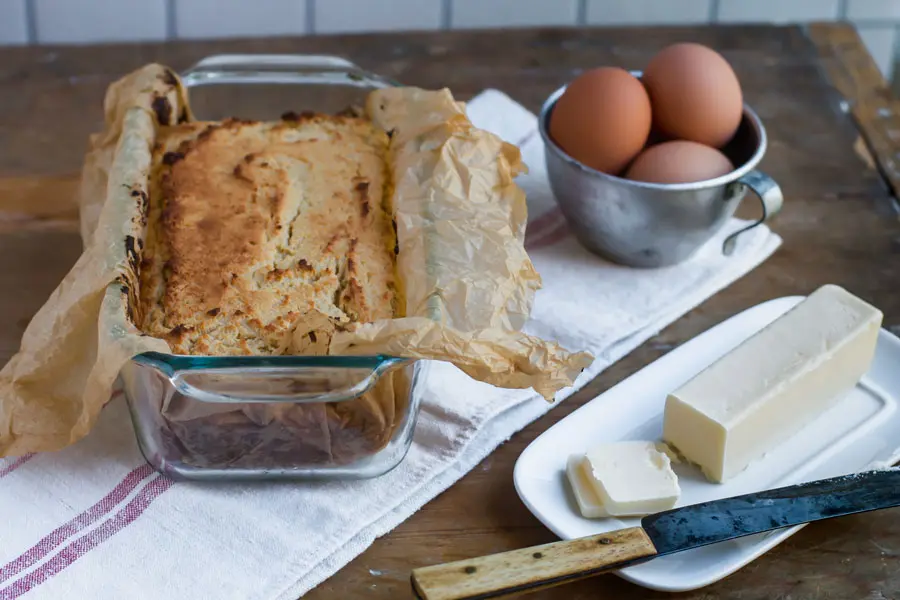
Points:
[(94, 521)]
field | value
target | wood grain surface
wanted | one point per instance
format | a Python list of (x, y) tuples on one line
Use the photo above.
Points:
[(853, 72), (839, 225)]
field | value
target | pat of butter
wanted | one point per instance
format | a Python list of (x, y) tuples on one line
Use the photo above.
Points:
[(622, 479), (774, 383), (589, 503)]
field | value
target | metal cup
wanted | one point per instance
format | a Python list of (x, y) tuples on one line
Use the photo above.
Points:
[(655, 225)]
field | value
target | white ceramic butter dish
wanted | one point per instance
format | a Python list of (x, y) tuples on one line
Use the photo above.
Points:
[(861, 430)]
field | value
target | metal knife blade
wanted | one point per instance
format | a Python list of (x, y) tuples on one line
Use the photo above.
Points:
[(719, 520)]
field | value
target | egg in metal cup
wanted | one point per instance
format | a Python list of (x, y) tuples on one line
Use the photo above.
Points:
[(642, 224)]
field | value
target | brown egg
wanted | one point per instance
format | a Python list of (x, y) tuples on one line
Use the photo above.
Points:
[(602, 119), (695, 94), (679, 162)]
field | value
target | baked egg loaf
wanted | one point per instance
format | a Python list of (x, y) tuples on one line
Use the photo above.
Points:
[(267, 237)]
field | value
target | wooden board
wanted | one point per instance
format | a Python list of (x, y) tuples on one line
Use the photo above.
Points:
[(853, 72), (837, 224)]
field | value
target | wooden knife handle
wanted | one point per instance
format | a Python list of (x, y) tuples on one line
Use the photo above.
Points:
[(520, 571)]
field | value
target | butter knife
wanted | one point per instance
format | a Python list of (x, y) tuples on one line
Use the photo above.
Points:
[(517, 572)]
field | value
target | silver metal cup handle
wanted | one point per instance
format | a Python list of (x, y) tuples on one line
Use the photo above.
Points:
[(770, 197)]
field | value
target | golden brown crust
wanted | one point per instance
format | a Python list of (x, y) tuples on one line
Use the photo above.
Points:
[(263, 238)]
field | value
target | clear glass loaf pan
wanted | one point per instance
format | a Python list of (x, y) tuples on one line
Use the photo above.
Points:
[(273, 417)]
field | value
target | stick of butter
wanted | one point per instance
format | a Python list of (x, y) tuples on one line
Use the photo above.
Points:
[(622, 479), (774, 383)]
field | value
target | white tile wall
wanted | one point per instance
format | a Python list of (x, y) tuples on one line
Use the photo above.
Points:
[(239, 18), (13, 23), (512, 13), (875, 10), (82, 21), (881, 42), (633, 12), (777, 11), (333, 16), (85, 21)]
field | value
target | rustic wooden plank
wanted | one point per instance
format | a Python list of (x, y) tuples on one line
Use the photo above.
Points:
[(40, 197), (65, 86), (38, 203), (870, 100), (834, 225), (32, 263)]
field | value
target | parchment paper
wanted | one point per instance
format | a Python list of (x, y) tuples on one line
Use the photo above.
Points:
[(467, 280)]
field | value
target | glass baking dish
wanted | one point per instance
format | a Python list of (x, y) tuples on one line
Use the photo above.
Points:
[(273, 417)]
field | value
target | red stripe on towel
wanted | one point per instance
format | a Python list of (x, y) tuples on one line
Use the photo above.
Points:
[(59, 535), (78, 548), (551, 216), (549, 238), (15, 464), (543, 225)]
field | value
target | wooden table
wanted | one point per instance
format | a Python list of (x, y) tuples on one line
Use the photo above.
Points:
[(832, 125)]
